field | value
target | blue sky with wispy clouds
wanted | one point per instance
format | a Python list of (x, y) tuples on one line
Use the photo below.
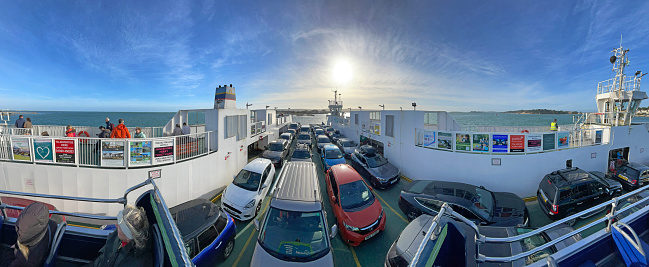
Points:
[(444, 55)]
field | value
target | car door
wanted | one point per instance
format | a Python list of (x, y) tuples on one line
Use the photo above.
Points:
[(333, 193), (597, 194), (580, 196), (467, 214)]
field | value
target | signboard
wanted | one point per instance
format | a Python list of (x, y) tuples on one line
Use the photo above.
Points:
[(112, 153), (564, 140), (548, 141), (598, 137), (155, 174), (444, 140), (375, 127), (481, 142), (534, 143), (462, 142), (64, 150), (500, 143), (20, 148), (517, 143), (43, 151), (429, 139), (163, 151), (140, 153)]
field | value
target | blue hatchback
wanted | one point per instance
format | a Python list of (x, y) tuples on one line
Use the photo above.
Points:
[(208, 232), (331, 155)]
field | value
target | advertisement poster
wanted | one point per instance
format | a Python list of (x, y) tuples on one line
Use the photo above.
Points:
[(481, 142), (500, 143), (375, 128), (534, 143), (462, 142), (517, 143), (140, 153), (548, 141), (598, 137), (21, 149), (64, 150), (43, 151), (163, 151), (112, 153), (444, 140), (429, 139), (564, 141)]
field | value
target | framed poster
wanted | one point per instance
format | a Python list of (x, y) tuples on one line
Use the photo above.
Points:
[(163, 151), (140, 153), (112, 153), (500, 143), (563, 140), (481, 142), (517, 143), (64, 149), (20, 148), (462, 142), (43, 151), (534, 143), (548, 141), (445, 140), (429, 139), (598, 136)]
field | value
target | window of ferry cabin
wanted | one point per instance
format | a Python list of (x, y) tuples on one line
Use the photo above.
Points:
[(389, 125)]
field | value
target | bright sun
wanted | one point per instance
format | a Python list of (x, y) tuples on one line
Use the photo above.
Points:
[(342, 72)]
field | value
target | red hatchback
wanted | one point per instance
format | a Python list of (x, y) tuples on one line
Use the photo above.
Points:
[(359, 214)]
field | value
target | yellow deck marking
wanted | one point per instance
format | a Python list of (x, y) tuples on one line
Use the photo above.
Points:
[(405, 178), (243, 250), (248, 225), (386, 203), (355, 258), (216, 197), (528, 199), (89, 227)]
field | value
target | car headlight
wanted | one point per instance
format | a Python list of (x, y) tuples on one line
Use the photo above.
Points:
[(250, 204), (351, 228)]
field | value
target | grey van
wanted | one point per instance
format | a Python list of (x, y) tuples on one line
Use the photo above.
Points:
[(294, 229)]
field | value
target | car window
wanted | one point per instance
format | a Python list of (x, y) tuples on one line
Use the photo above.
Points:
[(580, 191), (596, 188), (632, 173), (334, 184), (221, 222), (190, 245), (565, 195), (333, 154), (349, 144), (301, 154), (247, 180), (304, 137), (376, 161), (429, 203), (294, 235), (466, 213), (276, 147), (533, 242), (265, 176), (354, 195), (207, 237)]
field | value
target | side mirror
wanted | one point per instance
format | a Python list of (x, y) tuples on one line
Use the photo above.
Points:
[(334, 231), (256, 223), (264, 186)]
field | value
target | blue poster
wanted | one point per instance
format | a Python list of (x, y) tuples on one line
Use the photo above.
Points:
[(500, 143), (429, 139), (43, 151)]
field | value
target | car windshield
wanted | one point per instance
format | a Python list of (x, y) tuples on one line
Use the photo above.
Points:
[(323, 140), (247, 180), (276, 147), (304, 137), (349, 144), (354, 195), (376, 161), (301, 154), (294, 236), (285, 136), (319, 131), (533, 242), (333, 154), (484, 202)]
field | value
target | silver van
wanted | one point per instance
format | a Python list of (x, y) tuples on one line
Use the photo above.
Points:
[(294, 229)]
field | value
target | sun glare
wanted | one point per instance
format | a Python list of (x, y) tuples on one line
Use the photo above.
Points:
[(342, 72)]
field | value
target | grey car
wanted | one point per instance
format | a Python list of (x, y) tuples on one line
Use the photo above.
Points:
[(346, 145), (381, 173), (304, 138), (321, 141), (404, 248), (277, 151), (302, 152)]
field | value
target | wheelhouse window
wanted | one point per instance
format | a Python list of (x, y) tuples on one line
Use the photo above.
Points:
[(375, 115)]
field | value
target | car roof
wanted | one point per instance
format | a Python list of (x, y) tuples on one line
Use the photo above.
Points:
[(345, 174), (344, 139), (258, 165), (637, 166), (569, 176), (323, 136), (302, 147), (286, 134), (281, 141), (195, 215), (298, 188), (330, 147)]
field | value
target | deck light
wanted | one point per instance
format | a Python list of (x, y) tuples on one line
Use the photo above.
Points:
[(414, 105), (247, 105), (383, 106), (359, 107)]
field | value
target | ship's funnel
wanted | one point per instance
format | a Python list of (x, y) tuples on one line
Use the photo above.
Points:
[(225, 97)]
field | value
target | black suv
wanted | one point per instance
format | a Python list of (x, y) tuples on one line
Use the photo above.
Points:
[(631, 175), (565, 192)]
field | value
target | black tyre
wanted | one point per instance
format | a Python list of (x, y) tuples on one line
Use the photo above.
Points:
[(413, 214), (229, 247)]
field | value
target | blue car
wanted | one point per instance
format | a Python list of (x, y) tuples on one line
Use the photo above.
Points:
[(331, 155), (208, 232)]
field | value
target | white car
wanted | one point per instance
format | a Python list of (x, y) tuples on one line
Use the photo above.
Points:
[(242, 198)]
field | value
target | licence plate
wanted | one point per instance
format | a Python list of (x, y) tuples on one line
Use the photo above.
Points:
[(371, 235)]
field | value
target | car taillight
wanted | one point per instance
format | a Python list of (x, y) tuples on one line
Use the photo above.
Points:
[(555, 209), (634, 181)]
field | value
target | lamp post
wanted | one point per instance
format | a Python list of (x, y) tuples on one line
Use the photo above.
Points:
[(414, 106), (247, 105), (359, 107), (383, 106)]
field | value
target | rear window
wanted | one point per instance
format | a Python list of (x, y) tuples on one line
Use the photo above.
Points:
[(633, 173), (548, 189)]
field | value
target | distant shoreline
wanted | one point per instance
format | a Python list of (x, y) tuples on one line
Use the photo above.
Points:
[(541, 111)]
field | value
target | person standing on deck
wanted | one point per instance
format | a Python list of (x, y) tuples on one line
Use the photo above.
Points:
[(139, 133), (28, 123), (553, 125), (186, 129), (177, 130), (20, 122), (105, 133), (120, 131), (109, 125)]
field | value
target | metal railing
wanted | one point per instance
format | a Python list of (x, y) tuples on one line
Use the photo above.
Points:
[(504, 129), (257, 128), (57, 130), (610, 85)]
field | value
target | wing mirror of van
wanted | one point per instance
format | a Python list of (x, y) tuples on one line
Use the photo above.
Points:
[(334, 231), (256, 223), (264, 186)]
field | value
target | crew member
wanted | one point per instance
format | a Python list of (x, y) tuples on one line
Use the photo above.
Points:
[(553, 125)]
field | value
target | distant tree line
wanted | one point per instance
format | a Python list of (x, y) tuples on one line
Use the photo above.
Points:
[(541, 111)]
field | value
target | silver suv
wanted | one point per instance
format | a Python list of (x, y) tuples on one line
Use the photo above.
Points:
[(294, 229)]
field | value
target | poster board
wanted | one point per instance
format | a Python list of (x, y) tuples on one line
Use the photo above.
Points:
[(20, 149), (481, 142), (598, 136), (534, 143), (563, 140), (112, 153), (500, 143), (163, 151), (445, 140), (517, 143), (462, 142), (549, 141), (140, 153), (43, 150), (430, 139), (64, 151)]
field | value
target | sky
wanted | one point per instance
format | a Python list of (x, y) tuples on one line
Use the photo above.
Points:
[(443, 55)]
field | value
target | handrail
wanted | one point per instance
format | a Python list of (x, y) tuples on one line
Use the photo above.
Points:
[(73, 214), (87, 199), (636, 242)]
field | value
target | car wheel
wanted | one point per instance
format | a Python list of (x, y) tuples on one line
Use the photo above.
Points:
[(227, 251), (571, 222), (413, 214)]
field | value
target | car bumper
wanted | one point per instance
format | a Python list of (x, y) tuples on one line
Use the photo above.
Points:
[(238, 213), (386, 183), (355, 239)]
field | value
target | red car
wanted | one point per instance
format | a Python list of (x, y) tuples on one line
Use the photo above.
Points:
[(359, 214)]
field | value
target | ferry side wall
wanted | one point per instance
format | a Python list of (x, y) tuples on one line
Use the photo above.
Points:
[(519, 174)]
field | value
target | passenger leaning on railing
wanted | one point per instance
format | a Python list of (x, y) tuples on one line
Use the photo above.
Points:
[(139, 133), (177, 130), (120, 131)]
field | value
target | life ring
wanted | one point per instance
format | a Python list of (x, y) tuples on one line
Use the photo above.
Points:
[(525, 131), (84, 133)]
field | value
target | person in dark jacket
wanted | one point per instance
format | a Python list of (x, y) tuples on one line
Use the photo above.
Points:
[(20, 122), (105, 133), (130, 244), (110, 126), (33, 230)]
